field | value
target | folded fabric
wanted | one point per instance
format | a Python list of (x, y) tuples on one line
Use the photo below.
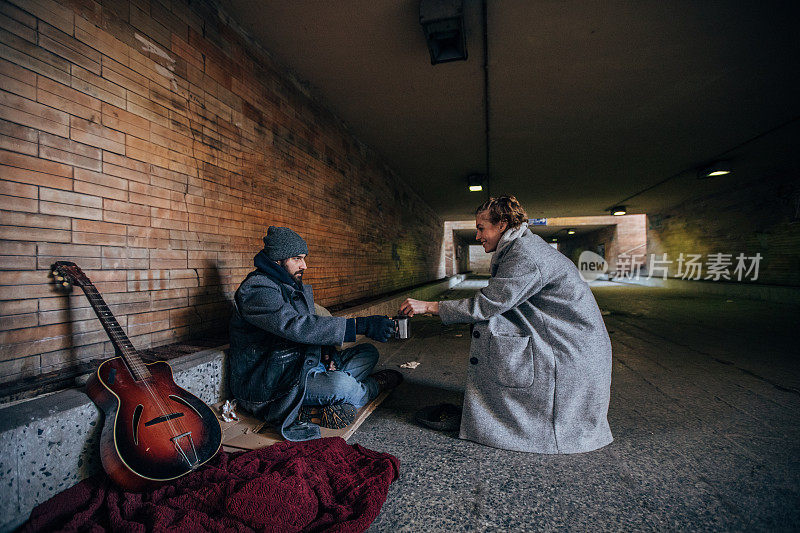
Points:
[(317, 485)]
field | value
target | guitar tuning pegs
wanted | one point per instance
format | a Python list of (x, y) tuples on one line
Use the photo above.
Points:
[(55, 273), (66, 284), (60, 278)]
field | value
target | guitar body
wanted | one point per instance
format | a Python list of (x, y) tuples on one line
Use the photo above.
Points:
[(154, 430)]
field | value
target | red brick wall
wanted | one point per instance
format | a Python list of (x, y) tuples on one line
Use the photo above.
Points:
[(152, 144), (758, 217)]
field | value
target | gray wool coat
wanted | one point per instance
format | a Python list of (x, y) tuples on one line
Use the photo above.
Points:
[(540, 373)]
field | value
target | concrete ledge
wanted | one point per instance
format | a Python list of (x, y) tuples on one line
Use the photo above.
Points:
[(390, 305), (50, 443), (750, 291)]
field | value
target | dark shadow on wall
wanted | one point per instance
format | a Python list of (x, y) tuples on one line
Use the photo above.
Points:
[(210, 305), (204, 322)]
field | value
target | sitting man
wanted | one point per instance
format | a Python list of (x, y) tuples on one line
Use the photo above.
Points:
[(283, 364)]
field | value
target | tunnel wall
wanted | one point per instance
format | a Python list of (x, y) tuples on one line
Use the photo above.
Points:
[(479, 260), (623, 236), (153, 144), (605, 238), (758, 217), (455, 252)]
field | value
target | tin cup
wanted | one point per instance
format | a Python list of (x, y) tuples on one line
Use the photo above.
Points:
[(401, 327)]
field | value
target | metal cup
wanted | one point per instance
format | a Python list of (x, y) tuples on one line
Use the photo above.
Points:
[(401, 327)]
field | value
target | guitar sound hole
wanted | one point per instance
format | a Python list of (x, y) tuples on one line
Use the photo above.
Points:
[(137, 415), (184, 402)]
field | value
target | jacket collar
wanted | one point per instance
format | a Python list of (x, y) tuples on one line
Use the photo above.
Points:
[(274, 270), (511, 235)]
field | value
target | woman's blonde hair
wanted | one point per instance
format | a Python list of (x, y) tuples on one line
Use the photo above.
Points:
[(503, 208)]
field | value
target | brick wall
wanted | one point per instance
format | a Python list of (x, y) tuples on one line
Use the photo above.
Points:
[(758, 217), (152, 143)]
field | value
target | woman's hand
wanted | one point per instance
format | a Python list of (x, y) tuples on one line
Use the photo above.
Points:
[(413, 307)]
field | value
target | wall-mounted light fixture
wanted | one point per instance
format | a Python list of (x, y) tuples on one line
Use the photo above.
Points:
[(570, 231), (443, 24), (475, 182), (717, 168), (618, 210)]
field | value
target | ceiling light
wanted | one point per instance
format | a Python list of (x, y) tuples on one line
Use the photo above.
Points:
[(618, 210), (717, 168), (443, 24), (475, 182), (570, 231)]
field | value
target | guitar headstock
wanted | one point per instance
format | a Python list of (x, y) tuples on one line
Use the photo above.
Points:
[(67, 274)]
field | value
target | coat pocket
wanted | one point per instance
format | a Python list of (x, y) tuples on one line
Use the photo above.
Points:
[(511, 360)]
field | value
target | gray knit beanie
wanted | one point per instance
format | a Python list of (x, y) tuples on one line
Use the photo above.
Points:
[(282, 243)]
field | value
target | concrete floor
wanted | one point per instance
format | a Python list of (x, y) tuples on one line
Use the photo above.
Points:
[(705, 405)]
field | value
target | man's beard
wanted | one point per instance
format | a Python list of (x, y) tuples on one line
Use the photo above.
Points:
[(298, 276)]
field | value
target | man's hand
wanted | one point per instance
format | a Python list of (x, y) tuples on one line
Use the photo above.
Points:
[(377, 327), (413, 307)]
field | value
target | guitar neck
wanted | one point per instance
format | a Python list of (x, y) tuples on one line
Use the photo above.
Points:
[(115, 333)]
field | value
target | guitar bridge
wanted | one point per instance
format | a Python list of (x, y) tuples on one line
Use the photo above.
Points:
[(192, 464), (164, 418)]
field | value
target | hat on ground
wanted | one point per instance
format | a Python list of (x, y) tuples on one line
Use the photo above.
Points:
[(282, 243)]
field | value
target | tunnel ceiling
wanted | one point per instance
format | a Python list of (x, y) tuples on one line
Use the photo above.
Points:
[(467, 236), (561, 231), (591, 103)]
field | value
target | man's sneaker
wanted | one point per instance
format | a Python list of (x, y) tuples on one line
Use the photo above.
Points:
[(387, 379), (328, 416)]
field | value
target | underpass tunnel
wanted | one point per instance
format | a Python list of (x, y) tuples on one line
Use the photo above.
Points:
[(153, 144)]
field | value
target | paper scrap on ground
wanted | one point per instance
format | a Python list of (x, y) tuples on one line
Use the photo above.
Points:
[(410, 364)]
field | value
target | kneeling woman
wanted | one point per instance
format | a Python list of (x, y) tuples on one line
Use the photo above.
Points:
[(540, 373)]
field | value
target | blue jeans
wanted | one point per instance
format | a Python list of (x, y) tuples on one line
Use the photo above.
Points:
[(349, 383)]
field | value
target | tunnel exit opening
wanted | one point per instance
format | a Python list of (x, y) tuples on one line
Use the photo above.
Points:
[(616, 239)]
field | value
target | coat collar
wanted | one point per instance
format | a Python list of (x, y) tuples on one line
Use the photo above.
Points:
[(508, 238), (274, 270)]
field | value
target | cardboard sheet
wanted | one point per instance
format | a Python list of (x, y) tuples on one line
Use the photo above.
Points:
[(250, 433)]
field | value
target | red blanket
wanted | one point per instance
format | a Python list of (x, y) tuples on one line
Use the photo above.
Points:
[(318, 485)]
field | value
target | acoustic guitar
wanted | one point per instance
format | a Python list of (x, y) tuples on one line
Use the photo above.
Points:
[(154, 431)]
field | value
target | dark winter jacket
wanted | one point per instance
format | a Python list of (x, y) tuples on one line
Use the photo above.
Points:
[(276, 340)]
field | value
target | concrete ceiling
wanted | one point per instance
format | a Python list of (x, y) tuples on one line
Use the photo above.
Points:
[(591, 103)]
